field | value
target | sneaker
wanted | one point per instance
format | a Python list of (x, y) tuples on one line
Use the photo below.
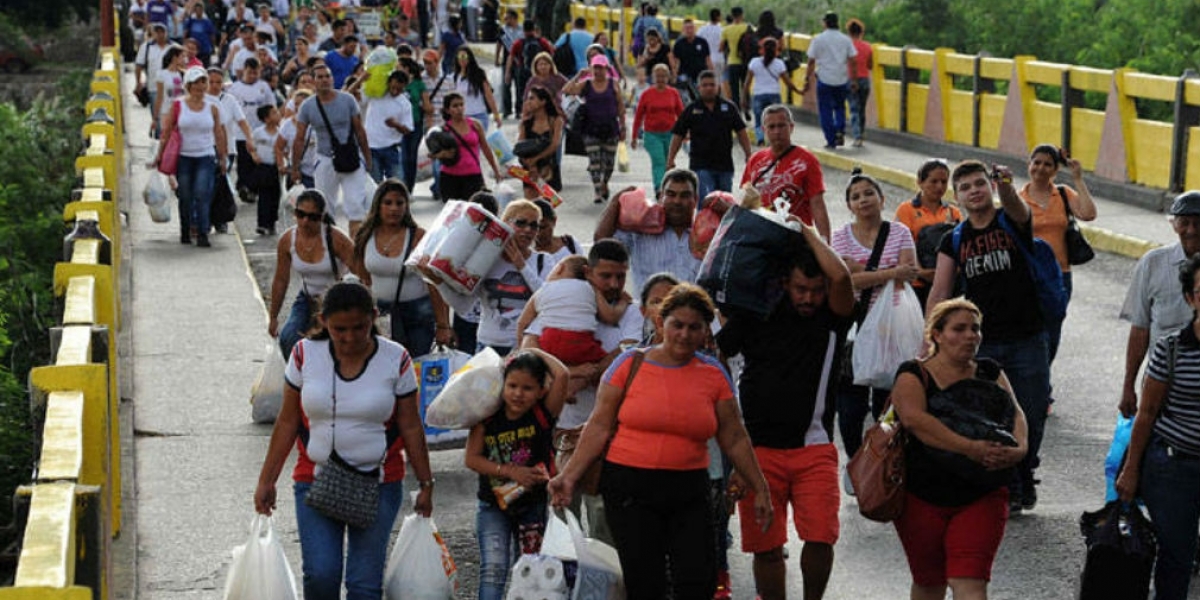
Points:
[(202, 242), (724, 592), (260, 230), (221, 227), (847, 485), (858, 142)]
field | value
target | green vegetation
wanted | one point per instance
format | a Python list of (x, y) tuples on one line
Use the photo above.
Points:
[(37, 173), (48, 14)]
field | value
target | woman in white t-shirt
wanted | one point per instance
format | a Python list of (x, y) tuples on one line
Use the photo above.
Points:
[(855, 243), (168, 83), (765, 77)]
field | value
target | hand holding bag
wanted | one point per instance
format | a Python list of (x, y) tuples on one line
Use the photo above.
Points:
[(168, 163), (877, 470), (891, 334), (1079, 251)]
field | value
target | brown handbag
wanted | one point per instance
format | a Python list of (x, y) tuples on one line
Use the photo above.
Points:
[(567, 440), (877, 470)]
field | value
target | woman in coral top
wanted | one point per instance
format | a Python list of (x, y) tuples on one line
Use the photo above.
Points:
[(659, 409), (657, 111)]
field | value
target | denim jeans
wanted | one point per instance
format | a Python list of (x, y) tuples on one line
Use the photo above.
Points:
[(499, 538), (1027, 365), (408, 156), (759, 103), (657, 145), (196, 175), (385, 162), (1054, 327), (296, 326), (831, 108), (858, 107), (852, 406), (714, 180), (1170, 486), (321, 548), (412, 324)]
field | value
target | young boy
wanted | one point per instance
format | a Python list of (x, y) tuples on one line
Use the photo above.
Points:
[(252, 93), (569, 306), (265, 182)]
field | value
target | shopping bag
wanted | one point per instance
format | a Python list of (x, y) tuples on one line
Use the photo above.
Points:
[(556, 540), (471, 395), (891, 334), (746, 262), (599, 576), (623, 157), (640, 214), (1121, 547), (708, 217), (157, 195), (260, 568), (537, 576), (1116, 456), (224, 208), (420, 567), (501, 147), (266, 397), (433, 373), (293, 194)]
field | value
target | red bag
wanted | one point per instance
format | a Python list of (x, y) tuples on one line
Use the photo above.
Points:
[(640, 214), (169, 163), (704, 225)]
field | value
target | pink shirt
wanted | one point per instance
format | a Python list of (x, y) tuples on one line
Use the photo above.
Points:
[(899, 238), (861, 70), (469, 162)]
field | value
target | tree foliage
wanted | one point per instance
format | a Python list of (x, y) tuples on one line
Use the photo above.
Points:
[(48, 14)]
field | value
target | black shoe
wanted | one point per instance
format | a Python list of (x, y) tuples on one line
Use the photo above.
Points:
[(202, 241), (184, 238), (221, 227), (1029, 494), (840, 139), (260, 230)]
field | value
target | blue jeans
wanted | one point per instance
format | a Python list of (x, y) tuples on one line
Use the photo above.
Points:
[(408, 157), (714, 180), (1170, 486), (195, 176), (853, 401), (499, 535), (412, 324), (321, 548), (831, 108), (1027, 365), (858, 107), (385, 162), (759, 103), (296, 326), (1054, 327)]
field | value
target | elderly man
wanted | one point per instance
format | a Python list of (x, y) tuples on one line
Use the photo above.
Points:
[(785, 170)]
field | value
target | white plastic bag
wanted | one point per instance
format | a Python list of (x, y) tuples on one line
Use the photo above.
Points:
[(891, 334), (420, 567), (293, 194), (599, 576), (501, 147), (266, 397), (471, 395), (156, 194), (557, 541), (537, 577), (260, 568)]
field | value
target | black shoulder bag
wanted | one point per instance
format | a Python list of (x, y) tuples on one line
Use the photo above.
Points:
[(345, 155), (864, 300), (1079, 251), (387, 319)]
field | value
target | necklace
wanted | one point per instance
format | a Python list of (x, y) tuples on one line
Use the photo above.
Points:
[(310, 246), (388, 246)]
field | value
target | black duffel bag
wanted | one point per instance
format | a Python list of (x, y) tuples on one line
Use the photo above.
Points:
[(747, 260), (976, 409), (1121, 548)]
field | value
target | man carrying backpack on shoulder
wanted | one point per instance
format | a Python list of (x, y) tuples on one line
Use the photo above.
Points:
[(519, 67), (998, 261)]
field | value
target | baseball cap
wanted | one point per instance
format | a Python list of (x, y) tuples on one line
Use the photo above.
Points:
[(430, 55), (1187, 203), (599, 61), (158, 25), (194, 74)]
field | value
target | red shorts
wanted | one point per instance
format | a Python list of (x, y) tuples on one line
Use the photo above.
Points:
[(571, 347), (952, 542), (807, 479)]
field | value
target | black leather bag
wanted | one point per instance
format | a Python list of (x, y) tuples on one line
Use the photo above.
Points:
[(979, 410), (346, 158), (1079, 251), (1121, 548)]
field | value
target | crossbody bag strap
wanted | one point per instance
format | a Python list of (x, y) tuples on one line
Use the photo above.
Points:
[(872, 265), (466, 148), (328, 127), (1062, 193), (763, 173), (411, 233), (638, 358)]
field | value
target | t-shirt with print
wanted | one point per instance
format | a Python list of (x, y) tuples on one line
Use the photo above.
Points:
[(789, 378), (797, 175), (526, 441), (899, 239), (251, 96), (502, 295), (712, 134), (366, 405), (341, 112), (996, 278)]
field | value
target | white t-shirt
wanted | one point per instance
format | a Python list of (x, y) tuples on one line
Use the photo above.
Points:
[(196, 131), (378, 111), (832, 49), (308, 162), (231, 114), (172, 85), (766, 77), (365, 404), (150, 58), (473, 103), (251, 96), (712, 34), (264, 144), (566, 304)]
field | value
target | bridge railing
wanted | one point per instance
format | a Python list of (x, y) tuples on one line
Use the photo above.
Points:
[(990, 102), (73, 507)]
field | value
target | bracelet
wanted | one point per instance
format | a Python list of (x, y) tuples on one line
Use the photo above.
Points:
[(426, 483)]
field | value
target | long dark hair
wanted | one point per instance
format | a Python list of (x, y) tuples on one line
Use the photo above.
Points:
[(548, 102), (770, 49), (373, 220), (344, 296), (475, 75)]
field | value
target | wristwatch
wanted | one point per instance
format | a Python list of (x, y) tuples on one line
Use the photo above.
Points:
[(426, 483)]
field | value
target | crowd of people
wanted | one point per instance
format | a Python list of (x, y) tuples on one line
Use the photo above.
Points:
[(666, 453)]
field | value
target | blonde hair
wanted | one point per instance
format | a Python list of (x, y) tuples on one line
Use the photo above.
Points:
[(661, 67), (941, 313), (517, 206)]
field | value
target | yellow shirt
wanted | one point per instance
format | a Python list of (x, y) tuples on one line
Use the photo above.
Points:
[(731, 34)]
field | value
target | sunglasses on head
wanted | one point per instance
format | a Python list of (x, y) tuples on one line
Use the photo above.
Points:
[(523, 224), (311, 216)]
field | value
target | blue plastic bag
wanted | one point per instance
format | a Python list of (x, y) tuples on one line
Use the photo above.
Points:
[(433, 372), (1116, 452)]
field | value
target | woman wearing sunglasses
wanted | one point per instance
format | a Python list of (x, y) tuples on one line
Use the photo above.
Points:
[(319, 254), (507, 286)]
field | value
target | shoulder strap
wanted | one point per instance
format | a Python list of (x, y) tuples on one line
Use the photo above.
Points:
[(438, 86), (638, 358), (1062, 193), (860, 307), (466, 148), (763, 173), (541, 261), (570, 242), (412, 236), (330, 251), (325, 118)]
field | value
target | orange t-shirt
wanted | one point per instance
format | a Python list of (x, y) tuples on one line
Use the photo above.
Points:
[(918, 218), (669, 413), (1050, 223)]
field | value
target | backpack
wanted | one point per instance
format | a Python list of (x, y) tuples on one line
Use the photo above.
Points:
[(747, 45), (929, 240), (530, 48), (564, 58), (1043, 269)]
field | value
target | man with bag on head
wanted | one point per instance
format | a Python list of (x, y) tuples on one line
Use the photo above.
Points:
[(785, 170), (787, 390), (991, 253), (341, 166), (1153, 305)]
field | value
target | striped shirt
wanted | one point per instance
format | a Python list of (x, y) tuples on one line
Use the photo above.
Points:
[(658, 253), (899, 239), (1179, 420)]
